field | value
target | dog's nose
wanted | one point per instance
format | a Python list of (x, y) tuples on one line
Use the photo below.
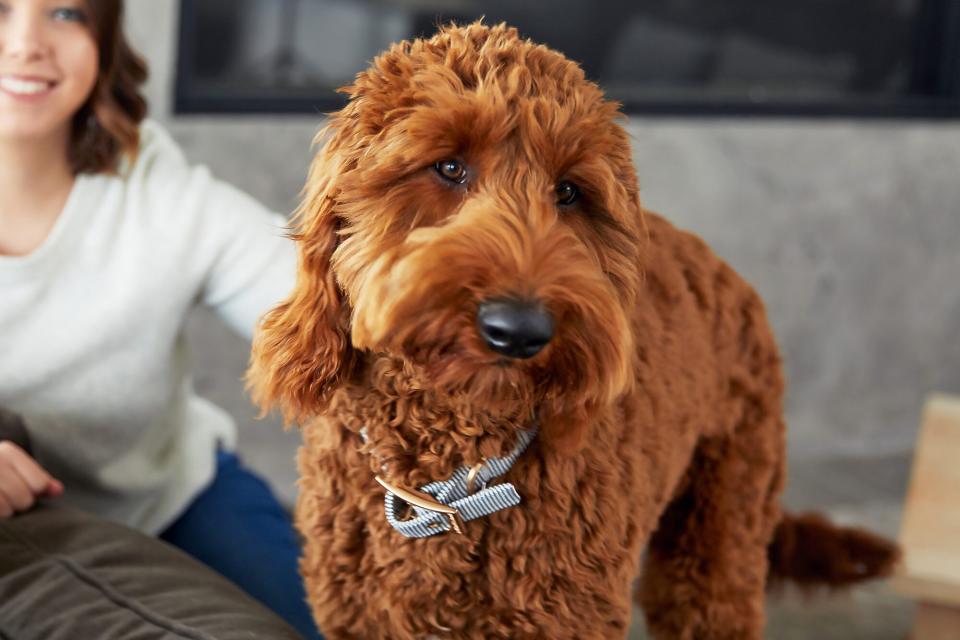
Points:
[(515, 328)]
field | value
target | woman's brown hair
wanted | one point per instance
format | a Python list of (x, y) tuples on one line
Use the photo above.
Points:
[(107, 127)]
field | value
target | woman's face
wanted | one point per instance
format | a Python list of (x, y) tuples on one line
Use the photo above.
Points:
[(48, 66)]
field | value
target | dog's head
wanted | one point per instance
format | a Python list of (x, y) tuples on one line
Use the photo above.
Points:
[(474, 210)]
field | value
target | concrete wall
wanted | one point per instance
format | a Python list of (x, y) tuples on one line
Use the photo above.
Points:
[(849, 229)]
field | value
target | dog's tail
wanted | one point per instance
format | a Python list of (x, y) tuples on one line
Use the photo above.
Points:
[(810, 551)]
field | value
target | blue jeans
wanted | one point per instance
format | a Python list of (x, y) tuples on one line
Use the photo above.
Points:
[(237, 527)]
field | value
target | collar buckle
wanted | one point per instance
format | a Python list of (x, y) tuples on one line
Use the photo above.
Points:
[(427, 502)]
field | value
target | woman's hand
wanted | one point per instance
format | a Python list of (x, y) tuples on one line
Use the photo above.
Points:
[(22, 480)]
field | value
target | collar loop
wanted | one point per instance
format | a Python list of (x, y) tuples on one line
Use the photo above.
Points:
[(442, 506)]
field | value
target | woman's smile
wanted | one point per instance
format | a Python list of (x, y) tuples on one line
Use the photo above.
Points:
[(24, 87)]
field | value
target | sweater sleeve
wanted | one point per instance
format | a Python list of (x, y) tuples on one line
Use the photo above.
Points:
[(254, 267), (234, 251)]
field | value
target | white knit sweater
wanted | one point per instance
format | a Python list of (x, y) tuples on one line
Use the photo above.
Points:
[(92, 348)]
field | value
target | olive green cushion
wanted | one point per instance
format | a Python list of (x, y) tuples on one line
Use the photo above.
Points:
[(67, 575)]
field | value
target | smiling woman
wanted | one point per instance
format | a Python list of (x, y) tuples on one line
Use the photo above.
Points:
[(108, 239), (69, 104), (69, 69), (49, 67)]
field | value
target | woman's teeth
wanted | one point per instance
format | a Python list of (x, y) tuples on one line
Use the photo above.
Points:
[(24, 87)]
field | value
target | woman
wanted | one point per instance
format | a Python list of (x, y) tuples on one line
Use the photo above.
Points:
[(107, 239)]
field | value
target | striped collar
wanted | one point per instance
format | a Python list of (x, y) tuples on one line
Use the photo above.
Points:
[(445, 505)]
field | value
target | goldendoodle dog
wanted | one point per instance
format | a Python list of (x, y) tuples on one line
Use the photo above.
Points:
[(513, 380)]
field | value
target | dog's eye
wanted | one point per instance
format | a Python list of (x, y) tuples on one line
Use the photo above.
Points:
[(567, 192), (452, 170)]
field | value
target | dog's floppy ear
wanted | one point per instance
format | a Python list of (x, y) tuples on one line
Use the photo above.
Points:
[(302, 351)]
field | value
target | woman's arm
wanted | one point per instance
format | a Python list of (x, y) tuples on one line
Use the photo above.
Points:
[(255, 263), (228, 246)]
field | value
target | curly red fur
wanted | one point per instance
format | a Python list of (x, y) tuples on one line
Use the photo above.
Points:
[(659, 398)]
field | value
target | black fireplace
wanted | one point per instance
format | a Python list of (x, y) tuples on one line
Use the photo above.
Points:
[(859, 58)]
